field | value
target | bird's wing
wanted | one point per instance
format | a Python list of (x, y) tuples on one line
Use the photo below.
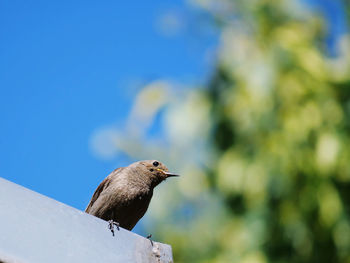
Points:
[(103, 185)]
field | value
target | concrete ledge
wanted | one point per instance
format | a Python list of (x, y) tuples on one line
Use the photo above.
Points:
[(38, 229)]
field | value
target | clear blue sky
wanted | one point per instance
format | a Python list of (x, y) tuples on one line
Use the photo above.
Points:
[(67, 68)]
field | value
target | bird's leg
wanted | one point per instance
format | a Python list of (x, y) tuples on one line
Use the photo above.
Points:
[(149, 238), (111, 225)]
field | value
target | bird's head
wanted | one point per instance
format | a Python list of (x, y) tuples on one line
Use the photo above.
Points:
[(156, 171)]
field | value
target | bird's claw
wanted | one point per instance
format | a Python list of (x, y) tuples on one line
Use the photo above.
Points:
[(149, 238), (111, 225)]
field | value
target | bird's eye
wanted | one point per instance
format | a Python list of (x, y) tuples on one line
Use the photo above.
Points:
[(155, 163)]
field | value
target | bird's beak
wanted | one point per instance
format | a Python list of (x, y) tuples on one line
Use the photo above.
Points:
[(170, 174), (167, 173)]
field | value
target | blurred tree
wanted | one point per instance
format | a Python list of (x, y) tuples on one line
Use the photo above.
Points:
[(264, 148)]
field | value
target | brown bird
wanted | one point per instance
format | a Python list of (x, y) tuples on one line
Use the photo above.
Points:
[(124, 195)]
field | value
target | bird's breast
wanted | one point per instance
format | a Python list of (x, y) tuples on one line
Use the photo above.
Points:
[(129, 210)]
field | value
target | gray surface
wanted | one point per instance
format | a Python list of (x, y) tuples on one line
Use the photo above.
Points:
[(35, 228)]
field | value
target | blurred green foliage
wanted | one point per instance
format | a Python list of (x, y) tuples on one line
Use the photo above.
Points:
[(264, 147)]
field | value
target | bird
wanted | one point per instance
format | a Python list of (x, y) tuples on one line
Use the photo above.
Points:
[(123, 197)]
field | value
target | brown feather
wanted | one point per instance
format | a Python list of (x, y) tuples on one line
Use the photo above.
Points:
[(103, 185), (125, 194)]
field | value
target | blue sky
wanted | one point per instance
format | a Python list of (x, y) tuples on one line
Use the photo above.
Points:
[(69, 67), (333, 11)]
